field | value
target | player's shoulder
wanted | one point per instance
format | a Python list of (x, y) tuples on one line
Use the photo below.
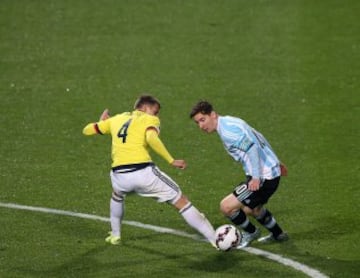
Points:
[(145, 120), (230, 121), (121, 116), (231, 127), (150, 118), (124, 114)]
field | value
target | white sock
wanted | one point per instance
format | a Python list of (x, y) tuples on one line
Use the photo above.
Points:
[(116, 216), (198, 221)]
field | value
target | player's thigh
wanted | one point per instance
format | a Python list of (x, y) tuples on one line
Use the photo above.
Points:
[(126, 182), (119, 185), (268, 189), (230, 204), (156, 184), (248, 199), (253, 199)]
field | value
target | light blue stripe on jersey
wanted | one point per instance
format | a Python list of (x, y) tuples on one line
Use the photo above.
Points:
[(249, 147)]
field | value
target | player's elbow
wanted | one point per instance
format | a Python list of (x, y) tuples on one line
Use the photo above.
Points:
[(85, 132), (88, 130)]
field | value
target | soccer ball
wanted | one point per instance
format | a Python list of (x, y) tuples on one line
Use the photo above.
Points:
[(227, 237)]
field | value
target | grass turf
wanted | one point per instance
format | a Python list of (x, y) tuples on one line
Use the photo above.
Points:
[(290, 68)]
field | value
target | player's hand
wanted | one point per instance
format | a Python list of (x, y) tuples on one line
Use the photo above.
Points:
[(254, 184), (283, 170), (179, 163), (105, 115)]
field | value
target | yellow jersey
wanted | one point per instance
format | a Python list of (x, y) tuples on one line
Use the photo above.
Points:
[(128, 132)]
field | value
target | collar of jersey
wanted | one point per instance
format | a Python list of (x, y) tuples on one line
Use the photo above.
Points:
[(138, 112)]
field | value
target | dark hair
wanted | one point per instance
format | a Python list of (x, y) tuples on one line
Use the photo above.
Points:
[(202, 107), (146, 99)]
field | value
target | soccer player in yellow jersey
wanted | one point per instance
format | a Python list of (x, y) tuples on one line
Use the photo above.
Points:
[(133, 170)]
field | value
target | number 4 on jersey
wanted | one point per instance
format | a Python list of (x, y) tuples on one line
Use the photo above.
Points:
[(123, 131)]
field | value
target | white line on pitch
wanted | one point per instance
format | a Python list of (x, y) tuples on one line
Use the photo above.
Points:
[(285, 261)]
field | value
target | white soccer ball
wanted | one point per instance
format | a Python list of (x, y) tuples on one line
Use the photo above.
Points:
[(227, 237)]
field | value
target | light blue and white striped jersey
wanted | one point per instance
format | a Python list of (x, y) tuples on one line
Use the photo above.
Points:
[(249, 147)]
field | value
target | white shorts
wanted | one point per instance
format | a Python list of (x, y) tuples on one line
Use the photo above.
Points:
[(147, 182)]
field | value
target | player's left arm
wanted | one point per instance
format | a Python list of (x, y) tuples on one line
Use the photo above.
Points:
[(246, 145), (254, 160), (104, 115), (152, 138)]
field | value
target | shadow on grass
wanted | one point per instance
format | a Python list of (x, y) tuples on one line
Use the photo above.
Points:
[(165, 252), (333, 267), (133, 258)]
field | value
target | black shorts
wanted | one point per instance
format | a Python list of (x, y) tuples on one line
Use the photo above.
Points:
[(252, 199)]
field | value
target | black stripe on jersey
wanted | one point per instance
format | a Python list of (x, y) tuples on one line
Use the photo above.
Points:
[(165, 179), (97, 129)]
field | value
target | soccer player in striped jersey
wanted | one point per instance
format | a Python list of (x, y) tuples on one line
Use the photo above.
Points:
[(133, 170), (261, 166)]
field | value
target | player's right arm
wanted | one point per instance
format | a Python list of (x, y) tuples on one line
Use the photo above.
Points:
[(283, 169), (91, 129), (101, 127)]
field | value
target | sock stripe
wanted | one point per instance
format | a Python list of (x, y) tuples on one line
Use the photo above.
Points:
[(185, 208), (245, 223), (271, 223), (117, 197)]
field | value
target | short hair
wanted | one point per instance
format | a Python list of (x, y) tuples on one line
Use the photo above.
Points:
[(203, 107), (146, 99)]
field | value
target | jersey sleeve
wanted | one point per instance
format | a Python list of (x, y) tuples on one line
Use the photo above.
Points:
[(254, 161), (246, 144), (153, 122), (102, 127), (152, 138)]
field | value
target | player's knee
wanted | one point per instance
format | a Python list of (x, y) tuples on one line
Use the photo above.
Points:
[(248, 211), (257, 211), (182, 202), (225, 208), (117, 197)]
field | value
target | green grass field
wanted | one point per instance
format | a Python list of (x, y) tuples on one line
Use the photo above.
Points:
[(289, 68)]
